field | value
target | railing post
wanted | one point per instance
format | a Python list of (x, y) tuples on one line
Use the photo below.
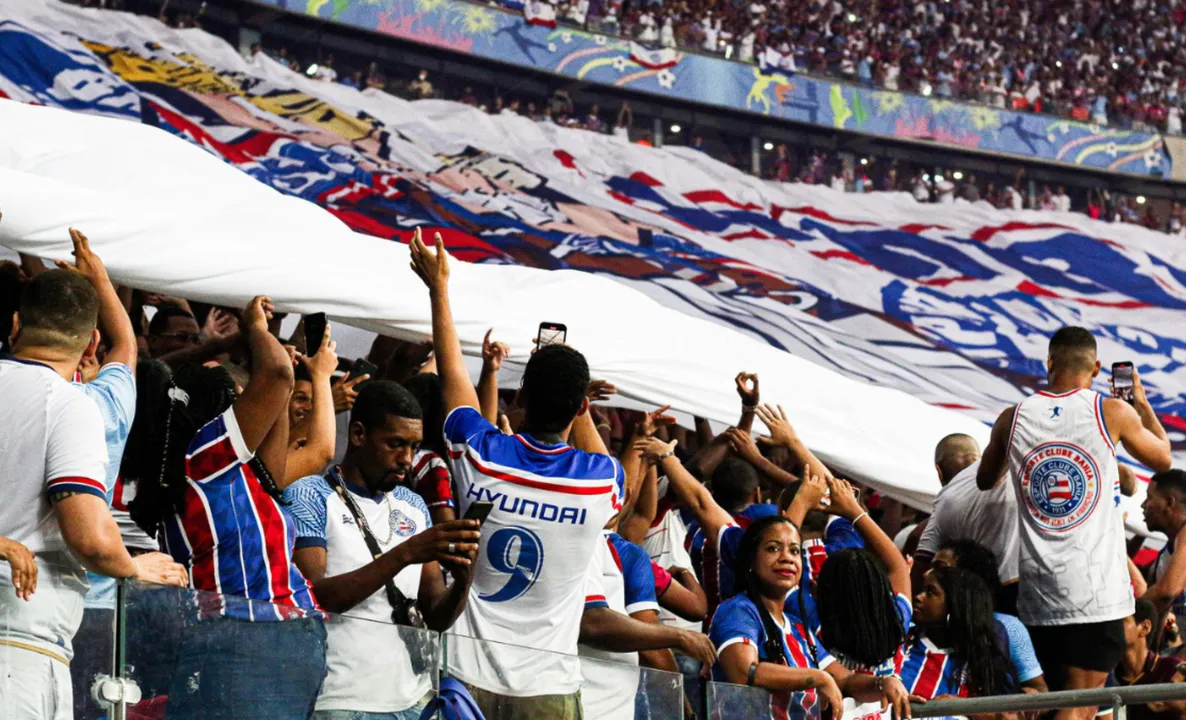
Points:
[(1119, 711)]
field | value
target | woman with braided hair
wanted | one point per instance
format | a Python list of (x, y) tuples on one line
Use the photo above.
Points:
[(955, 647), (759, 644)]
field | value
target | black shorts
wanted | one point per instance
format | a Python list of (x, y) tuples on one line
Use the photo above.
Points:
[(1090, 646)]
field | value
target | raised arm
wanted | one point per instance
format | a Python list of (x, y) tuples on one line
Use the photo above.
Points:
[(493, 353), (844, 504), (992, 462), (433, 268), (688, 490), (319, 446), (114, 322), (747, 390), (266, 396), (743, 445), (645, 507), (1136, 427), (1172, 584), (782, 433)]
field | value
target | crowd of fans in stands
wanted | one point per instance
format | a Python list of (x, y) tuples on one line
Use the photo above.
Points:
[(738, 556)]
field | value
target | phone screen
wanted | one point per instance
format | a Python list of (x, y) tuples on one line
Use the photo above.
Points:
[(362, 367), (1122, 384), (552, 334)]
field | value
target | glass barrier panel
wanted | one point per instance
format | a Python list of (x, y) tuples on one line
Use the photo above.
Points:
[(740, 702), (54, 646), (197, 654), (513, 681)]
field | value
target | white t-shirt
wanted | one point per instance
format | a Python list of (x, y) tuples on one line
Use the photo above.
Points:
[(54, 442), (963, 511), (664, 542), (946, 190), (529, 588), (367, 656)]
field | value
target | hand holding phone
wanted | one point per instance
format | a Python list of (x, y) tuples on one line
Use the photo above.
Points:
[(362, 367), (478, 511), (1122, 381)]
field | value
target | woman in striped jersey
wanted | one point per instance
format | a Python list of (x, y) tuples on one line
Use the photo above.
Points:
[(955, 648)]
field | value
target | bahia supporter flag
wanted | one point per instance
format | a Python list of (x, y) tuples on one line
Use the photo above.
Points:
[(771, 61), (653, 59), (538, 12)]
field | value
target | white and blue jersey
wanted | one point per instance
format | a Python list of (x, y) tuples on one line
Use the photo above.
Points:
[(737, 620), (716, 568), (114, 392), (929, 671), (1021, 648), (535, 556)]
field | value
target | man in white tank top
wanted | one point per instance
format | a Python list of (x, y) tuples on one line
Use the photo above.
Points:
[(1060, 449)]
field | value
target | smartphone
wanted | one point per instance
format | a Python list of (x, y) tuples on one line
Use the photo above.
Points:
[(551, 334), (1122, 381), (314, 332), (478, 511), (362, 367)]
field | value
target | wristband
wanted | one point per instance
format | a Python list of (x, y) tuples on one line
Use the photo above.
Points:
[(858, 517), (752, 675), (665, 455), (749, 408), (604, 426)]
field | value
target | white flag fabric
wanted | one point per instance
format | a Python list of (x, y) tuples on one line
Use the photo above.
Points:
[(659, 59), (538, 12)]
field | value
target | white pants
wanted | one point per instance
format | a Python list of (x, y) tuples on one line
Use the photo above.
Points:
[(34, 686)]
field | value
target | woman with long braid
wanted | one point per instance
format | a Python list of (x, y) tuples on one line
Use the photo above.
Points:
[(955, 648)]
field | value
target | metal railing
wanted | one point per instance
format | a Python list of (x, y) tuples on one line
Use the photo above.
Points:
[(1117, 697)]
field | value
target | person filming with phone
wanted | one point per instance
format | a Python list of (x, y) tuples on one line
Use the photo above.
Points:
[(368, 545), (1059, 446)]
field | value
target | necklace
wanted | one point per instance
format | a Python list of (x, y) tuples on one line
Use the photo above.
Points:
[(390, 520)]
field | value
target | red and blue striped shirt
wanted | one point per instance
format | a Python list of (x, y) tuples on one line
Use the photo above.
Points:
[(929, 671), (233, 536)]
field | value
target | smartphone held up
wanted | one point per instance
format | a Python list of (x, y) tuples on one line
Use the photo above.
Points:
[(551, 333), (1122, 381)]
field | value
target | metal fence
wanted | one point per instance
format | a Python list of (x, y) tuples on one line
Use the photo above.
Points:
[(1118, 698)]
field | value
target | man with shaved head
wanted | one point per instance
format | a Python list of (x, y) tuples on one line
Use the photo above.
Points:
[(1059, 447), (962, 512)]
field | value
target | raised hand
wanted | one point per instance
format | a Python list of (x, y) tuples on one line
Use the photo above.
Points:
[(86, 262), (781, 432), (159, 568), (747, 388), (219, 324), (504, 425), (24, 567), (344, 393), (844, 500), (431, 265), (743, 445), (653, 448), (257, 314), (655, 419), (494, 352), (600, 390), (812, 491), (1138, 389)]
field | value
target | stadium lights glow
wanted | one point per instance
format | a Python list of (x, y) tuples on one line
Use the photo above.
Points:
[(926, 91), (957, 175), (1140, 199), (926, 177), (675, 128), (864, 161), (852, 18), (768, 146), (1115, 66), (312, 70), (1058, 63)]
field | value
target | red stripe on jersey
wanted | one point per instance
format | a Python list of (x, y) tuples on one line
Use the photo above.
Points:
[(780, 705), (195, 526), (74, 480), (613, 551), (594, 598), (930, 675), (1099, 422), (211, 460), (275, 538), (540, 484), (545, 451)]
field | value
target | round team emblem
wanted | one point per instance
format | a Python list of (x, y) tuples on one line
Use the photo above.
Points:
[(401, 524), (1060, 485)]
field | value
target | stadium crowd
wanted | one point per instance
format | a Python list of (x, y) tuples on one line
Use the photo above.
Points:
[(180, 444)]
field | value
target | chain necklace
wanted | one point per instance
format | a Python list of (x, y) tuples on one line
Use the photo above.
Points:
[(390, 520)]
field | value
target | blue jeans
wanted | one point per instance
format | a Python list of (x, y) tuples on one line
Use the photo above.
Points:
[(237, 670), (409, 714), (693, 683)]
